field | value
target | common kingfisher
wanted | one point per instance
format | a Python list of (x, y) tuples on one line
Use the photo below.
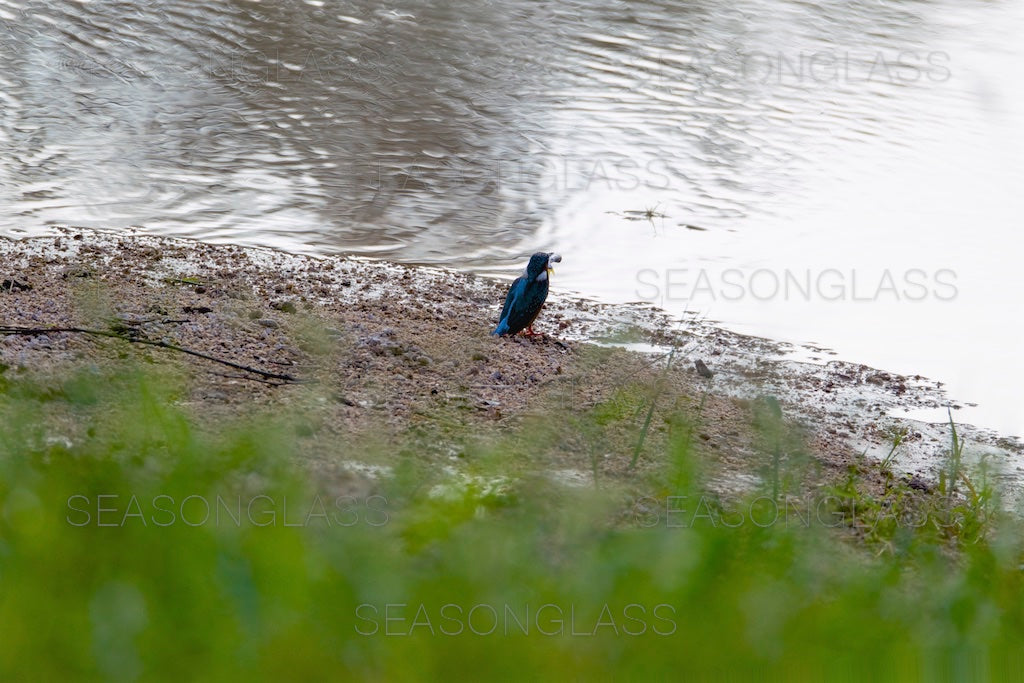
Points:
[(526, 296)]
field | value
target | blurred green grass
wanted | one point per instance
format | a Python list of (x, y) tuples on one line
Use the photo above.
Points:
[(138, 544)]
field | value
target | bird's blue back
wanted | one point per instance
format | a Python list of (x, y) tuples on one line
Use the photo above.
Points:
[(523, 303), (513, 299)]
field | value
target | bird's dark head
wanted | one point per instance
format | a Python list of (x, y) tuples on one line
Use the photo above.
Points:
[(540, 265)]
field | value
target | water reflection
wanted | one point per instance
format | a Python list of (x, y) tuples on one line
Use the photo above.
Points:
[(418, 129)]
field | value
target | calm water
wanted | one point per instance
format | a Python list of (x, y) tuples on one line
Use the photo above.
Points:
[(845, 174)]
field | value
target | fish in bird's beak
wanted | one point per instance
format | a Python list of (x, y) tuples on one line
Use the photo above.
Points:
[(554, 258)]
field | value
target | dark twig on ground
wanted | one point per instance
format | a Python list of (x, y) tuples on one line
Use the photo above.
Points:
[(38, 331)]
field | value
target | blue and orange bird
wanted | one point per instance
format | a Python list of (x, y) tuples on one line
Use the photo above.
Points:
[(526, 296)]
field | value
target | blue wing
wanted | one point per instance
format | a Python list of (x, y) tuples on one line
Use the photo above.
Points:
[(513, 299)]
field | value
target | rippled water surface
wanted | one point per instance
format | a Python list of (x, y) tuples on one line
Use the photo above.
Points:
[(846, 174)]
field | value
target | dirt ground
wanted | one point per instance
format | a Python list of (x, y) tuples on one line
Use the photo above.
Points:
[(380, 349)]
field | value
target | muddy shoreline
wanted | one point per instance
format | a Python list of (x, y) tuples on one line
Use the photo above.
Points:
[(392, 345)]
